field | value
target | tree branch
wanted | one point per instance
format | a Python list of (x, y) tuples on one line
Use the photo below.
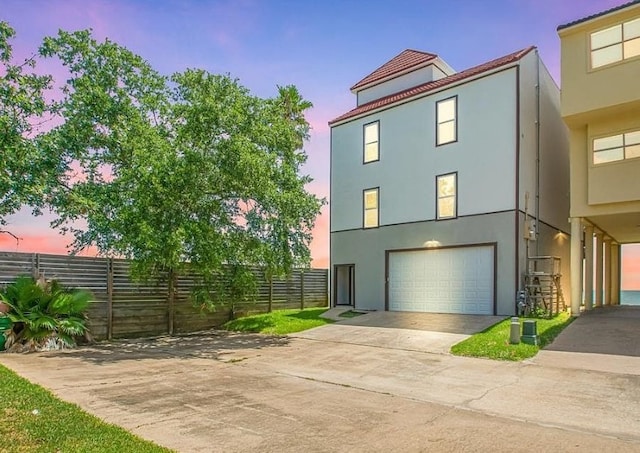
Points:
[(11, 234)]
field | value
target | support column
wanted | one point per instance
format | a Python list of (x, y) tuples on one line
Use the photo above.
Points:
[(576, 265), (599, 268), (615, 273), (588, 267), (607, 270)]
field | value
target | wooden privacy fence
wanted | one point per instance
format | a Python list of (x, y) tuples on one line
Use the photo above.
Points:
[(125, 308)]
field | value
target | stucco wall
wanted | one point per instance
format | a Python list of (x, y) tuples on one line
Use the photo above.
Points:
[(411, 79), (550, 242), (366, 249), (608, 85), (483, 156), (553, 142), (610, 188)]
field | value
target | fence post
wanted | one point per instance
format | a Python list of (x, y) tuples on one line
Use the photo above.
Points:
[(109, 298), (327, 295), (301, 289), (270, 293), (35, 265), (171, 300)]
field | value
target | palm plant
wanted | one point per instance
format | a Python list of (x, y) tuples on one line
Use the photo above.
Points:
[(42, 312)]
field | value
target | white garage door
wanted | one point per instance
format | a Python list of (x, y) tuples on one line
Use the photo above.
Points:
[(453, 280)]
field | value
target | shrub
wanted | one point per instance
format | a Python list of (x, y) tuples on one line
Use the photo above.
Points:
[(45, 315)]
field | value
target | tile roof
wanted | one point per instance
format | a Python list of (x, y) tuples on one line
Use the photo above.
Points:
[(401, 62), (430, 86), (603, 13)]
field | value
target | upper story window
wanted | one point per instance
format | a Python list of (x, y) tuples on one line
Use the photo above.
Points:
[(370, 207), (615, 43), (447, 188), (371, 142), (616, 147), (446, 121)]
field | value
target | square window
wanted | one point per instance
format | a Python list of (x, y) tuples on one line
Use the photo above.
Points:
[(614, 141), (615, 43), (631, 29), (632, 48), (606, 55), (371, 142), (616, 147), (631, 152), (632, 138), (370, 207), (606, 37), (447, 192), (609, 155), (446, 121)]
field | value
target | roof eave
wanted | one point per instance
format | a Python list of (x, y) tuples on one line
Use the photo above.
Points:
[(568, 27), (428, 93), (355, 89)]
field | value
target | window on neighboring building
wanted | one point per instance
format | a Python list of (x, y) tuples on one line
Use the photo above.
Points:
[(446, 186), (615, 43), (370, 206), (446, 128), (371, 142), (616, 147)]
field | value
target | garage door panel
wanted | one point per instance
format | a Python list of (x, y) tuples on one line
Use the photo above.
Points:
[(456, 280)]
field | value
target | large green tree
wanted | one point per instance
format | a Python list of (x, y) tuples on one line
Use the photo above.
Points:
[(25, 172), (192, 169)]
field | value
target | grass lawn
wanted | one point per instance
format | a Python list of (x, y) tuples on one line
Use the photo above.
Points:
[(279, 322), (493, 343), (33, 420)]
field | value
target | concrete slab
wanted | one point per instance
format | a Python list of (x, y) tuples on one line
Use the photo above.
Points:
[(425, 332), (384, 337), (604, 339), (434, 322)]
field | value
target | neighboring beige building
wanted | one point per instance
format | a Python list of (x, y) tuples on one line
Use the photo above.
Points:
[(601, 106)]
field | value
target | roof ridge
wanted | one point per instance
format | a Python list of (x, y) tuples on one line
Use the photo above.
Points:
[(422, 51), (428, 86)]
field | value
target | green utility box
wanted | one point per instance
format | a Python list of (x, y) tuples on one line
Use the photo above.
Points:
[(529, 331)]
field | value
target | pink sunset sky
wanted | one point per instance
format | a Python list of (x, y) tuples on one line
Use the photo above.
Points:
[(321, 47)]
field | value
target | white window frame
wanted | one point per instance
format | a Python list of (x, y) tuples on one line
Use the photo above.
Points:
[(621, 143), (375, 209), (440, 122), (365, 159), (453, 196), (627, 40)]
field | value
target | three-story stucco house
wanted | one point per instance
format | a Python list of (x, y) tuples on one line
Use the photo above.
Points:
[(600, 68), (443, 183)]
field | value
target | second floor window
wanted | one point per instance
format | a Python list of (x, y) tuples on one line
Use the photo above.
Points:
[(446, 121), (616, 147), (615, 43), (371, 142), (370, 207), (447, 188)]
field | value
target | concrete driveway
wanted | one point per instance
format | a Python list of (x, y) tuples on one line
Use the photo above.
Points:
[(239, 393), (424, 332), (604, 339)]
